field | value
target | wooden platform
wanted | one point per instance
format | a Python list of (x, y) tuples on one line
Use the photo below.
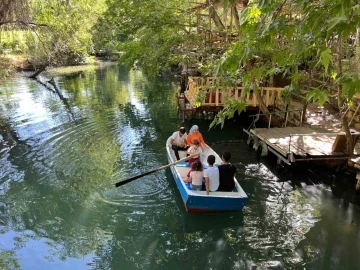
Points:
[(309, 143)]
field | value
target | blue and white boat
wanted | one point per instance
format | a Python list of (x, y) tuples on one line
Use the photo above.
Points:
[(198, 201)]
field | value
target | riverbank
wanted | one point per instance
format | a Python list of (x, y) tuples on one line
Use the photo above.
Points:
[(11, 63)]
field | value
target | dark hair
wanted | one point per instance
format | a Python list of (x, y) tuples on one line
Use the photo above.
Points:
[(182, 130), (196, 142), (211, 160), (196, 166), (226, 156)]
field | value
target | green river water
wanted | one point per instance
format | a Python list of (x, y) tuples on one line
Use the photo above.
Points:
[(59, 208)]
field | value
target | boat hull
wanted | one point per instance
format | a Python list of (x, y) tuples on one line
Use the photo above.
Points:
[(198, 204)]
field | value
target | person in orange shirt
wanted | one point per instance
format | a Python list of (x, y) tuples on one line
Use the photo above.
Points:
[(194, 134)]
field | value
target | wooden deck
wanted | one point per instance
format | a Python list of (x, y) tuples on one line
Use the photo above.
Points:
[(302, 143)]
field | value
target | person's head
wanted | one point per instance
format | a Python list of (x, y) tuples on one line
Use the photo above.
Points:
[(196, 143), (197, 166), (194, 129), (226, 156), (182, 131), (211, 160)]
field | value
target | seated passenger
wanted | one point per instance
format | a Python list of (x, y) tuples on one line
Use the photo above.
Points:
[(178, 142), (193, 135), (194, 150), (196, 175), (211, 175), (226, 172)]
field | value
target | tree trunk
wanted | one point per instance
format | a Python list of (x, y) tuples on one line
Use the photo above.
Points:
[(236, 16), (214, 16), (349, 139), (41, 69), (262, 105), (341, 103), (357, 48)]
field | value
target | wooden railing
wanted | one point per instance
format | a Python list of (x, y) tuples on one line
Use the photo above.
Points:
[(216, 94)]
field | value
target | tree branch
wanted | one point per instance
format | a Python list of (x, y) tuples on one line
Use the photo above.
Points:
[(23, 23)]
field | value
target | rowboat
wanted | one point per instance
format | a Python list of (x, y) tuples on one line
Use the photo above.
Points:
[(198, 201)]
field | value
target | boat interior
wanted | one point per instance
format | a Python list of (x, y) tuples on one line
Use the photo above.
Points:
[(183, 169)]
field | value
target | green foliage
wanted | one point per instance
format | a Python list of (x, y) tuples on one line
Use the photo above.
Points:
[(67, 38), (230, 108), (6, 68), (316, 35), (13, 41), (350, 83), (147, 32), (317, 95), (325, 58)]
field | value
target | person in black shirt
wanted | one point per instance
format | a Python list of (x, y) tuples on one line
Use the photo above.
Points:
[(226, 172)]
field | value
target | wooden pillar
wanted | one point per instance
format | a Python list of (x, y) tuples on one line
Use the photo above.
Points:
[(358, 182)]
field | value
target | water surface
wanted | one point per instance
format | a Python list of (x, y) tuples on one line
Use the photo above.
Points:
[(59, 208)]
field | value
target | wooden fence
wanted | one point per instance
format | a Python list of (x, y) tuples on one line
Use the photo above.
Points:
[(217, 94)]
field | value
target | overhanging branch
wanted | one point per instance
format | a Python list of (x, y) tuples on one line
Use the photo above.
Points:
[(23, 23)]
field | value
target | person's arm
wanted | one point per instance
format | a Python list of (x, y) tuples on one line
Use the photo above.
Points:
[(188, 139), (184, 142), (201, 139), (172, 139), (234, 170), (207, 184), (190, 178)]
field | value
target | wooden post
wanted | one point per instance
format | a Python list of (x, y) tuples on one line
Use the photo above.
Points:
[(217, 97), (301, 117), (289, 143), (267, 97), (269, 121), (358, 182)]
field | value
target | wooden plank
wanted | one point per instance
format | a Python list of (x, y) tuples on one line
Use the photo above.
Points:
[(285, 143), (305, 143), (280, 137), (298, 149), (268, 133), (267, 98), (314, 145), (317, 143), (274, 139), (278, 149), (308, 145)]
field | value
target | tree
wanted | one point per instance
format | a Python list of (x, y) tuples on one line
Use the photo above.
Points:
[(67, 38), (281, 36), (14, 12)]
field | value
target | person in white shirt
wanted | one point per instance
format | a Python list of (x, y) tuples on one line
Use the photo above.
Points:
[(178, 142), (194, 150), (211, 175)]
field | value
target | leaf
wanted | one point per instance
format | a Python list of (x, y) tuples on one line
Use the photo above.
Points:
[(350, 87), (325, 58), (318, 96)]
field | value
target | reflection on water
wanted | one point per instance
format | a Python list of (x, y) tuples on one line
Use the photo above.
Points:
[(59, 207)]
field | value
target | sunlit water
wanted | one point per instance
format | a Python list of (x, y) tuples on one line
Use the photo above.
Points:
[(59, 208)]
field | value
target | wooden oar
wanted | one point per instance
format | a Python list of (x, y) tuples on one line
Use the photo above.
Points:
[(118, 184)]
